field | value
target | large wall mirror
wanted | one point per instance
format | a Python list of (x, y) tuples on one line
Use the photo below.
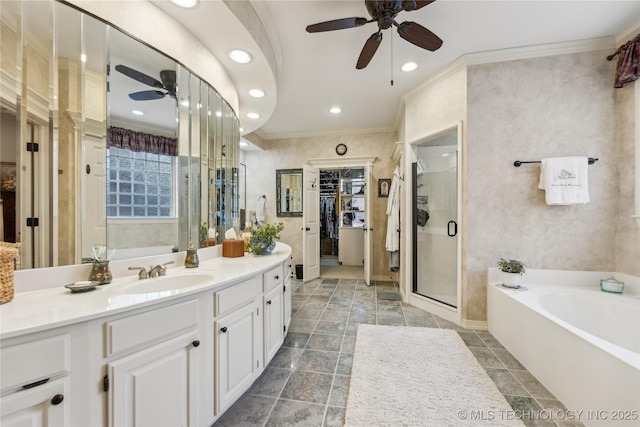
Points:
[(106, 141), (289, 192)]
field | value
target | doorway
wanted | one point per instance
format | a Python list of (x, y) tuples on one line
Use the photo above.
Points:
[(342, 223), (346, 233)]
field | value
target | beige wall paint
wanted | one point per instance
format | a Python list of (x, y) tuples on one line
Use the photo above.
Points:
[(528, 110), (292, 153)]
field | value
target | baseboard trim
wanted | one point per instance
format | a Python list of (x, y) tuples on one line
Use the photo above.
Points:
[(481, 325)]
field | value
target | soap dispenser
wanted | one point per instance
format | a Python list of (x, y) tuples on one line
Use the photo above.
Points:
[(191, 260)]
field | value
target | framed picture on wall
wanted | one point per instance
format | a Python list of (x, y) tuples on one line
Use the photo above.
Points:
[(384, 185)]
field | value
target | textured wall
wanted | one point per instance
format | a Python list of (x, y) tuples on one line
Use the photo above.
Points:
[(627, 230), (528, 110), (292, 153)]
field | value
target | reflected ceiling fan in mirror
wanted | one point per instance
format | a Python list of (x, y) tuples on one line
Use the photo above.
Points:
[(384, 13), (168, 83)]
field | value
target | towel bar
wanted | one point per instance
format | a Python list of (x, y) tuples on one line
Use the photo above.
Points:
[(517, 163)]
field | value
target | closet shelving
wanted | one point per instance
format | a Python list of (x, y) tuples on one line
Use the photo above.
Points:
[(352, 202), (351, 216)]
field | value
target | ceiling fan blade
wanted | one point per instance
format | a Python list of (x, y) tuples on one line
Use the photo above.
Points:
[(369, 50), (168, 78), (419, 35), (336, 24), (147, 95), (421, 4), (137, 75)]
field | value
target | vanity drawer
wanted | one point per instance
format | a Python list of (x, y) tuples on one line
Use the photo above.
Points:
[(236, 295), (24, 364), (150, 327), (272, 278)]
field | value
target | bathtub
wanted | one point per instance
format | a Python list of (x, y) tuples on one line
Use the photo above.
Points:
[(581, 343)]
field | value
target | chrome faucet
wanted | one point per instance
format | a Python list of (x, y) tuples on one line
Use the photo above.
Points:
[(158, 270)]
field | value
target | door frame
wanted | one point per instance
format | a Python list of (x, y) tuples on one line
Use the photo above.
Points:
[(346, 163), (440, 309)]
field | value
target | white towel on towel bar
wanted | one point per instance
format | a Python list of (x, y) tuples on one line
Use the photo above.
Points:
[(564, 180)]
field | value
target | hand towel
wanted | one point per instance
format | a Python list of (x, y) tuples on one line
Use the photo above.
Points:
[(260, 211), (564, 180)]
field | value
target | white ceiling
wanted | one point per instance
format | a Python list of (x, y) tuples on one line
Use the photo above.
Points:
[(317, 71)]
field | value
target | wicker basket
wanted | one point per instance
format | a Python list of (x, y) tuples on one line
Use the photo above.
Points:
[(9, 261)]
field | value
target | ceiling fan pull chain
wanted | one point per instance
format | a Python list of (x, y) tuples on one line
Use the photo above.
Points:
[(392, 58)]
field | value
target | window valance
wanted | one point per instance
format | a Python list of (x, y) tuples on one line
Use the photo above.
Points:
[(628, 59), (142, 142)]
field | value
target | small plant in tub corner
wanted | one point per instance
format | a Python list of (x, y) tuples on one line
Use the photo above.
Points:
[(511, 270), (262, 239)]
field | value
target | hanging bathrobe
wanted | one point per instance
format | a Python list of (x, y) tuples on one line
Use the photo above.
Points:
[(260, 211), (393, 222)]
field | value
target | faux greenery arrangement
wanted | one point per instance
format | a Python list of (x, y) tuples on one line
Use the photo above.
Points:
[(511, 266), (262, 239)]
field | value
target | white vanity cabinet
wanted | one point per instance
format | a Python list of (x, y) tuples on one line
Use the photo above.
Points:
[(35, 381), (154, 366), (238, 341), (287, 294)]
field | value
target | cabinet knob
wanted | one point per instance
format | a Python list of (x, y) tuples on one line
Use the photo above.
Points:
[(223, 329), (276, 277), (269, 302), (196, 343), (57, 399)]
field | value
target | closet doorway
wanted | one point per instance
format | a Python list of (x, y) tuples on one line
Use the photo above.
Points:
[(337, 220), (342, 223)]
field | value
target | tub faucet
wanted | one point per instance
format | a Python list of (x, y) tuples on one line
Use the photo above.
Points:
[(159, 270)]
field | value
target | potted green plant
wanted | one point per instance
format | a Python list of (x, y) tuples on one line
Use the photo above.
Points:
[(511, 270), (263, 238)]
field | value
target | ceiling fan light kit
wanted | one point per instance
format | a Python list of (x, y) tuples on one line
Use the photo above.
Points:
[(384, 14)]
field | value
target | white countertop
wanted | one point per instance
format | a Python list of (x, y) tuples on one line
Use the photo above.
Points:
[(42, 309)]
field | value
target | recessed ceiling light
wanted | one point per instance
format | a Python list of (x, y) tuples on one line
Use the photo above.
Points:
[(445, 154), (241, 129), (253, 115), (240, 56), (244, 144), (218, 113), (137, 112), (335, 110), (409, 66), (257, 93), (83, 57), (185, 3), (184, 102)]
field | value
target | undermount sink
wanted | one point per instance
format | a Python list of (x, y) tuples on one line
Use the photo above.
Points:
[(168, 283)]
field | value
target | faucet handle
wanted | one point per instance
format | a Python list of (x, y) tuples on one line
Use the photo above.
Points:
[(142, 274), (162, 271)]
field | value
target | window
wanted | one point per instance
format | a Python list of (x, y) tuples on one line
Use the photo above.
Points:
[(139, 184)]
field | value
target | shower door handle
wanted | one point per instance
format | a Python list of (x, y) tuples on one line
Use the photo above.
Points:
[(455, 229)]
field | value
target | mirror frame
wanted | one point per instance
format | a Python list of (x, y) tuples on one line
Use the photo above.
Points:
[(279, 174)]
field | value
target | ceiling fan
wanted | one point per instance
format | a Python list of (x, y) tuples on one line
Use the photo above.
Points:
[(168, 83), (384, 13)]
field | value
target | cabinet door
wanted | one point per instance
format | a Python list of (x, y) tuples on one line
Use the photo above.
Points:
[(273, 322), (156, 386), (44, 405), (238, 353)]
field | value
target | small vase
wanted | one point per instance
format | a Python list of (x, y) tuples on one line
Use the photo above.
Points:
[(100, 272), (510, 280)]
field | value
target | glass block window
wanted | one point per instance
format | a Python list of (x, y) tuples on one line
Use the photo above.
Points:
[(139, 184)]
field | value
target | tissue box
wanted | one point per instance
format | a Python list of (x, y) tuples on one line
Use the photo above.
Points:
[(232, 248)]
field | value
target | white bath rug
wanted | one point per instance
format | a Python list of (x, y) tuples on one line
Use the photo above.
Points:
[(405, 376)]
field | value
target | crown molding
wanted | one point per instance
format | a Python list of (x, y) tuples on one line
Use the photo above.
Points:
[(628, 33), (341, 162), (290, 135), (445, 72), (537, 51)]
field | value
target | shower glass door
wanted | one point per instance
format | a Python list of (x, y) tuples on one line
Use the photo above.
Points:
[(436, 224)]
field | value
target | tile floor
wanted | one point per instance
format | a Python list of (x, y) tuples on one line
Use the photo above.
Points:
[(307, 382)]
